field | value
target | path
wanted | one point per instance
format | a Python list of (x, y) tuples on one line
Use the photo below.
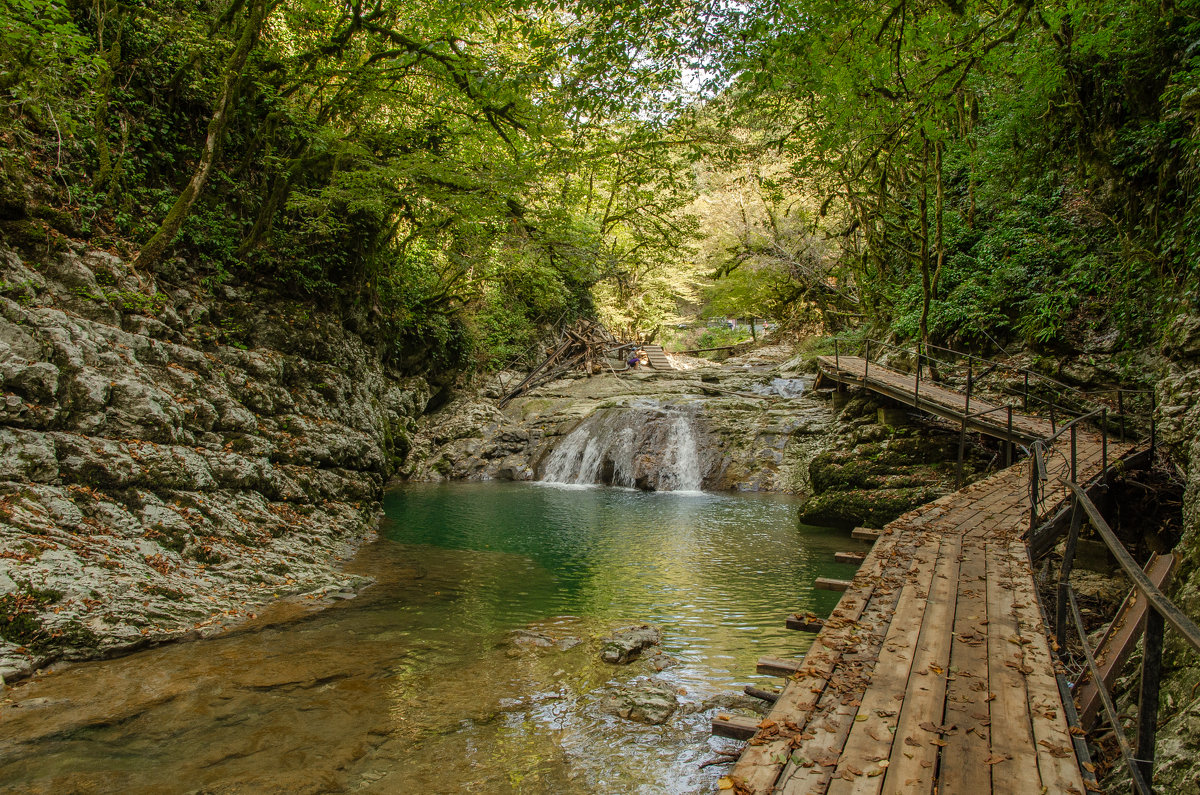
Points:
[(933, 674)]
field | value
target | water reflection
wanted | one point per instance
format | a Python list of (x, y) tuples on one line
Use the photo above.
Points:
[(416, 684)]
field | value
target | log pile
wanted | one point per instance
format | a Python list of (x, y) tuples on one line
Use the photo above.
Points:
[(587, 345)]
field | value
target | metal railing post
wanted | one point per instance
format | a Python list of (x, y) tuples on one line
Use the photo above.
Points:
[(1053, 424), (1121, 412), (1152, 646), (836, 359), (970, 382), (917, 391), (1064, 576), (1008, 442), (1033, 488), (1104, 442), (1025, 394), (1074, 476), (962, 444), (1153, 429)]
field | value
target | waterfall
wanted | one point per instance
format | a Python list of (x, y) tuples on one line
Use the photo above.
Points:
[(645, 447)]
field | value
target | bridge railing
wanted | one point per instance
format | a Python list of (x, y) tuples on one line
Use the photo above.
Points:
[(1130, 411), (1161, 612)]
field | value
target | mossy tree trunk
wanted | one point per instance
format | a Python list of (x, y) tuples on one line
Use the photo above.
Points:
[(256, 14)]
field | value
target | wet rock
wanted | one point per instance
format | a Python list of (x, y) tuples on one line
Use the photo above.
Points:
[(648, 703), (625, 644)]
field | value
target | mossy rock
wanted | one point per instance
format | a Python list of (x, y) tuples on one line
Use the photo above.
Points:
[(863, 507)]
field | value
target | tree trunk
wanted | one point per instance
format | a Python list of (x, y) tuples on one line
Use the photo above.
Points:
[(153, 251)]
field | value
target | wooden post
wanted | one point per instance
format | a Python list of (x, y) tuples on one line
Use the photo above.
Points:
[(1152, 645), (866, 361), (836, 361), (1025, 398), (1064, 577)]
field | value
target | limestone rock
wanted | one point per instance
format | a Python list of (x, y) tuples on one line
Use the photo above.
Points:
[(156, 479), (648, 703), (625, 644)]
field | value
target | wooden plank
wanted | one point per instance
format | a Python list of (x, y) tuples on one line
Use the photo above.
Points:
[(813, 763), (961, 767), (865, 534), (1013, 753), (919, 732), (761, 762), (779, 666), (848, 557), (735, 727), (1056, 761), (804, 623), (830, 584), (870, 739), (757, 692), (1120, 639)]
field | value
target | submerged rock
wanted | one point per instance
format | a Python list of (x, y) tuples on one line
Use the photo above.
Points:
[(647, 703), (627, 643), (530, 639)]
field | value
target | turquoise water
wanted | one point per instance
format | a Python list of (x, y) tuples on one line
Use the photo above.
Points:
[(417, 684)]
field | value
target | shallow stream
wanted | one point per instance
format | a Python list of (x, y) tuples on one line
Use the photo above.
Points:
[(417, 684)]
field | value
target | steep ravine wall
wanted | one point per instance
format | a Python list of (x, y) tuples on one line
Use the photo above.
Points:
[(172, 456), (1178, 752)]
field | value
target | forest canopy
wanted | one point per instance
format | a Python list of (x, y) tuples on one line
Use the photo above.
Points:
[(970, 173)]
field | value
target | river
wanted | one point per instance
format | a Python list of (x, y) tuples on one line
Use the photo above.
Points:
[(417, 685)]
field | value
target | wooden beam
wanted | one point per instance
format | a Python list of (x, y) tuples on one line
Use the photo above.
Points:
[(831, 584), (779, 666), (735, 727), (1120, 639), (865, 534), (848, 557), (805, 623), (757, 692)]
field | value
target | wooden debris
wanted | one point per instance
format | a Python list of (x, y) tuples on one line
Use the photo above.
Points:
[(735, 727)]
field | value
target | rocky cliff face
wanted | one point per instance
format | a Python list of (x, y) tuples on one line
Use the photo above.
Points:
[(1178, 754), (749, 435), (172, 457)]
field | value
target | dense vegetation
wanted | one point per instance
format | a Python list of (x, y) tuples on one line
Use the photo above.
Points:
[(972, 173)]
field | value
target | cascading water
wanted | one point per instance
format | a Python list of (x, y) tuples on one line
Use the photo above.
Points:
[(651, 448)]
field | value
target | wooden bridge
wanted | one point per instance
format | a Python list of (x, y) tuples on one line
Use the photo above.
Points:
[(934, 673)]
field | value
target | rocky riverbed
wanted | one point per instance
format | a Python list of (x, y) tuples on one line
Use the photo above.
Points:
[(173, 457)]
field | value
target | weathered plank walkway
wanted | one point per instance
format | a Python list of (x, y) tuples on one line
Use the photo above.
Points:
[(985, 417), (657, 358), (933, 674)]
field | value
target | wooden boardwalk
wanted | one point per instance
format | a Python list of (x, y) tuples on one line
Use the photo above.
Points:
[(933, 674), (984, 417)]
